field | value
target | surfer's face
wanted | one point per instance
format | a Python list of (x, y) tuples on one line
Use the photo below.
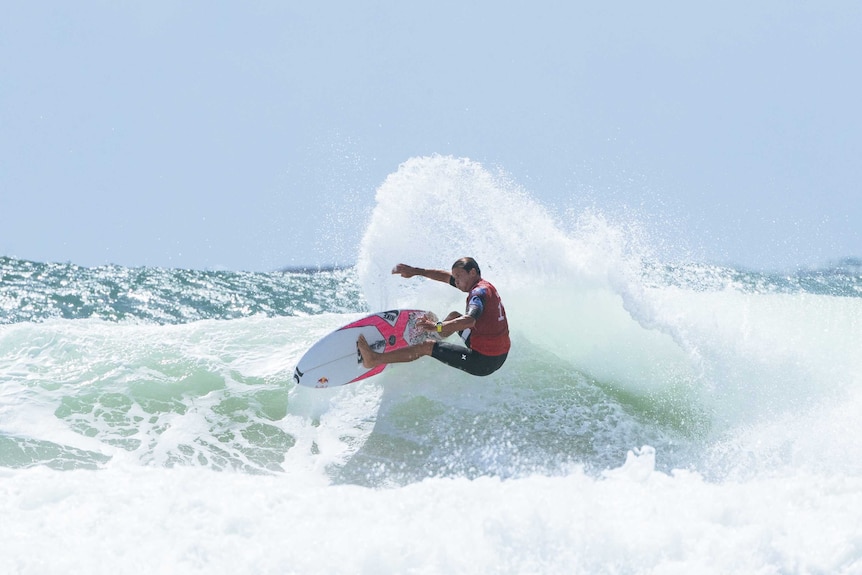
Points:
[(464, 280)]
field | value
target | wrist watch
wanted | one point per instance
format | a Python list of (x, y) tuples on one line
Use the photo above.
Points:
[(439, 327)]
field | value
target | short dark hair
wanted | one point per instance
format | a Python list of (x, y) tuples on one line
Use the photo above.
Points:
[(467, 264)]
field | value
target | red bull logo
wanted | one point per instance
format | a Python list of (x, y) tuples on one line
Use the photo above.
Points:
[(322, 382)]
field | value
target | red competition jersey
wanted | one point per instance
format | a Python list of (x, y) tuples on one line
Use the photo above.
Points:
[(490, 335)]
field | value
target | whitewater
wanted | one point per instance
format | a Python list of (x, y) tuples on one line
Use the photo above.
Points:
[(653, 417)]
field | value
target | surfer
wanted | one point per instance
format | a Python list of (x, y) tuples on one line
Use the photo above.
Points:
[(483, 326)]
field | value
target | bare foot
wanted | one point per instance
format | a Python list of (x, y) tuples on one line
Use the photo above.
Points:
[(369, 357)]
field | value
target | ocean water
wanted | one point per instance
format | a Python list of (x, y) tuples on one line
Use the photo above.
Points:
[(653, 417)]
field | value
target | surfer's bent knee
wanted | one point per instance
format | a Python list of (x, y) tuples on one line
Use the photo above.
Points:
[(427, 346)]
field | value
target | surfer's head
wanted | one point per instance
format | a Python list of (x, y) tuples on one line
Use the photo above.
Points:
[(467, 264), (466, 273)]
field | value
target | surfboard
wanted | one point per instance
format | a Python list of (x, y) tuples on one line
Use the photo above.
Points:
[(334, 360)]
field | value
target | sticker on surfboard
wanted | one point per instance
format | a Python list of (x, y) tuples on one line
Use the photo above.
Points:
[(334, 360)]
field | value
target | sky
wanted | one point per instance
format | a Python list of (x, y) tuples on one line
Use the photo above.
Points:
[(253, 135)]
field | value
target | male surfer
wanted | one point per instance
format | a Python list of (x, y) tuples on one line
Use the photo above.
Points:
[(483, 326)]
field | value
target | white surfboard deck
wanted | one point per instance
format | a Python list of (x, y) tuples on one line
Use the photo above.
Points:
[(334, 360)]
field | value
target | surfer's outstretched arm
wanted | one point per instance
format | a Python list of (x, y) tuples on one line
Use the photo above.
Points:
[(406, 271)]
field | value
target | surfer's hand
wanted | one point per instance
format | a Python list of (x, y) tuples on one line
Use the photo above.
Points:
[(405, 271), (426, 324)]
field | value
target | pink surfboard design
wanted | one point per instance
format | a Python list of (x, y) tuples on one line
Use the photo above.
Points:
[(335, 359)]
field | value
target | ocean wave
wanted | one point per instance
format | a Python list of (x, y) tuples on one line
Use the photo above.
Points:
[(34, 291)]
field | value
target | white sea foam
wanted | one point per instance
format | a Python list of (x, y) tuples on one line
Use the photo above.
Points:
[(632, 520)]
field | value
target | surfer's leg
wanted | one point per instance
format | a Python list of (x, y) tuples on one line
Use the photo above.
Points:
[(371, 358), (466, 359)]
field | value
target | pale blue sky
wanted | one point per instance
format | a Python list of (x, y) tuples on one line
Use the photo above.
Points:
[(199, 134)]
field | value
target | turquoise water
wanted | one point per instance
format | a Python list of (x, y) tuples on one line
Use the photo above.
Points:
[(33, 291)]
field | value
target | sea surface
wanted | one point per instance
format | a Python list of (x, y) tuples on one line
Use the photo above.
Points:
[(653, 417)]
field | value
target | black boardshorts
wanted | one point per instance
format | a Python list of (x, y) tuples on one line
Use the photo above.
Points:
[(466, 359)]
